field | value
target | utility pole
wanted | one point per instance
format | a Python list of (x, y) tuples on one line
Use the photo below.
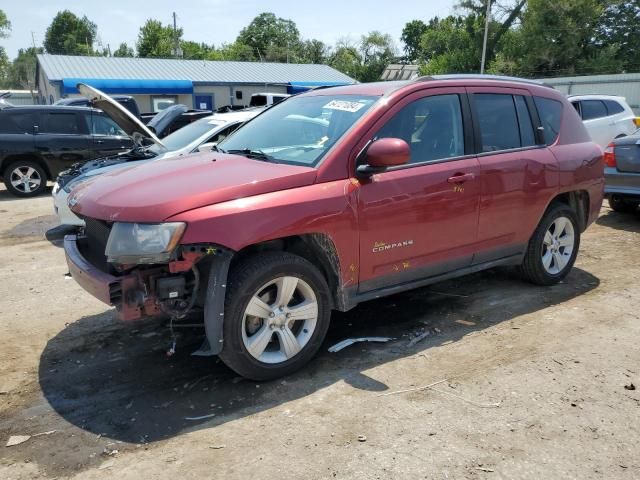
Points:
[(176, 41), (486, 35), (33, 39)]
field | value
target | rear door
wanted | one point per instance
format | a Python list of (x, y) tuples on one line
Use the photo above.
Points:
[(517, 172), (596, 118), (419, 220), (63, 139), (107, 138)]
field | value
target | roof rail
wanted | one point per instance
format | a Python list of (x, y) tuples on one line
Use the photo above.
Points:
[(477, 76)]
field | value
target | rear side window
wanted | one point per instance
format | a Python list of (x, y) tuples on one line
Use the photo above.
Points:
[(613, 107), (432, 126), (498, 121), (527, 136), (60, 123), (17, 123), (592, 109), (550, 113)]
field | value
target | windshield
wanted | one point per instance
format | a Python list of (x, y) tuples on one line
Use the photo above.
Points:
[(301, 130), (187, 134)]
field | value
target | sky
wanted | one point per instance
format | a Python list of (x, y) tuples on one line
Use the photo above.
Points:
[(218, 21)]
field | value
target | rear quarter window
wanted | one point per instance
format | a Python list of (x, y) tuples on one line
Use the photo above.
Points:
[(592, 109), (613, 107), (60, 123), (550, 113), (17, 122)]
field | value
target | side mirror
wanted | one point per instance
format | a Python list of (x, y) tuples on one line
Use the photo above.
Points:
[(384, 153), (206, 147)]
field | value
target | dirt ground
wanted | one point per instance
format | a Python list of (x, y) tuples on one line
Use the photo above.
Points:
[(534, 379)]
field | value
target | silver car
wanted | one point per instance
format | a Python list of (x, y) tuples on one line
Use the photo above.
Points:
[(622, 173)]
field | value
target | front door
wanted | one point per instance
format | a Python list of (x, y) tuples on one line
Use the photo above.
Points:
[(106, 136), (203, 102), (419, 220)]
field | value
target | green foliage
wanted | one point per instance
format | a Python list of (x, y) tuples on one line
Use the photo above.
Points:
[(412, 37), (158, 41), (195, 51), (272, 38), (5, 25), (70, 35), (21, 73), (124, 50), (366, 59), (620, 27), (233, 52)]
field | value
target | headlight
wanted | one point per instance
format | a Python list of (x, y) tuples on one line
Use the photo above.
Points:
[(135, 243)]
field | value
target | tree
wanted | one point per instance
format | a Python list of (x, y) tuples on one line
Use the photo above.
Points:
[(366, 59), (411, 36), (313, 51), (158, 41), (346, 58), (22, 72), (272, 38), (233, 51), (5, 25), (70, 35), (123, 50), (619, 27), (195, 51)]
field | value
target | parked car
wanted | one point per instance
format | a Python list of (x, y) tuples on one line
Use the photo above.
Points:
[(200, 135), (126, 101), (606, 117), (37, 142), (266, 99), (390, 186), (174, 118), (622, 173)]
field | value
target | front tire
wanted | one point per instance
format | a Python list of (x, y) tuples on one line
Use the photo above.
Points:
[(621, 205), (553, 248), (277, 313), (25, 178)]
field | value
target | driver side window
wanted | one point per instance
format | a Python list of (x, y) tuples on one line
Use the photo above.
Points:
[(432, 126), (103, 125)]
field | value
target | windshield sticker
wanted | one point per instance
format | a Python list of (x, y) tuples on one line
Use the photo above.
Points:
[(344, 106)]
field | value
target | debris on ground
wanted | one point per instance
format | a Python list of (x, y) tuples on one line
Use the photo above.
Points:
[(110, 453), (107, 464), (350, 341), (362, 438), (485, 469), (631, 386), (418, 338), (18, 439), (201, 417), (417, 389), (216, 447)]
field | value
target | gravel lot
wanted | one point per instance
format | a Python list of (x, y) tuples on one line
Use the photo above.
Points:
[(534, 379)]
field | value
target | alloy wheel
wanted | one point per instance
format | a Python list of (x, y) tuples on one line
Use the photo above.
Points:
[(558, 245), (279, 319), (25, 179)]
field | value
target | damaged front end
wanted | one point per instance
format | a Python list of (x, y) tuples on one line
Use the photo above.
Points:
[(142, 271)]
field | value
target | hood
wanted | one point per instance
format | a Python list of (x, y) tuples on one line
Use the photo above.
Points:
[(128, 122), (163, 119), (156, 190)]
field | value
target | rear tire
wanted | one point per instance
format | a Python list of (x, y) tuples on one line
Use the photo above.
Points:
[(553, 248), (622, 205), (25, 178), (277, 313)]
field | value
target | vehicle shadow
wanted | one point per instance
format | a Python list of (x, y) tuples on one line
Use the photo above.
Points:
[(116, 380), (620, 221)]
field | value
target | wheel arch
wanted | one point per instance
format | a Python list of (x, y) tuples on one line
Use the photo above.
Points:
[(579, 201), (8, 160), (317, 248)]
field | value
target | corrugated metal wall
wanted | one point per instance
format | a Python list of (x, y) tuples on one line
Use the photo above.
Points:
[(21, 97), (624, 85)]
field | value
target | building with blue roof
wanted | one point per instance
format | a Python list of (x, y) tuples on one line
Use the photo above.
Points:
[(155, 82)]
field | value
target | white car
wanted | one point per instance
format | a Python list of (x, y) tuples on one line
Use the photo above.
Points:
[(198, 136), (606, 117)]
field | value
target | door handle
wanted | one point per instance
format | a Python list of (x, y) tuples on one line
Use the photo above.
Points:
[(99, 142), (461, 177)]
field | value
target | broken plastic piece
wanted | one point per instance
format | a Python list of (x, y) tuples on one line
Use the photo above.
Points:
[(172, 350), (350, 341)]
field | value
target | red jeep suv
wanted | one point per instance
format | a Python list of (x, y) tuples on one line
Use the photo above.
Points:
[(335, 197)]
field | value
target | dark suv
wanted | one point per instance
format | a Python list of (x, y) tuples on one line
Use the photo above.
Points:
[(38, 142)]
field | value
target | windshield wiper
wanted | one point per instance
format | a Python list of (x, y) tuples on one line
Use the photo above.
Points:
[(254, 154)]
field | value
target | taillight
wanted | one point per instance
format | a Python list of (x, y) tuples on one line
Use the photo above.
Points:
[(636, 122), (610, 155)]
